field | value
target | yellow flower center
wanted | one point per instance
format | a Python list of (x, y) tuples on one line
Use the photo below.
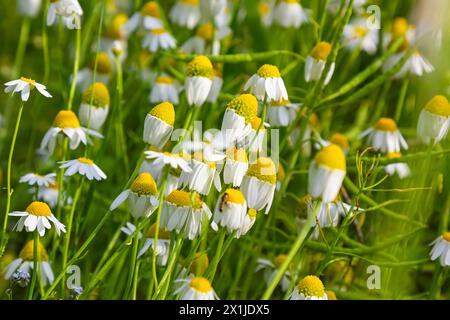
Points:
[(99, 94), (237, 154), (446, 236), (31, 82), (311, 286), (38, 208), (331, 295), (104, 65), (164, 80), (85, 161), (151, 9), (399, 27), (158, 31), (165, 112), (331, 157), (144, 184), (290, 1), (182, 198), (393, 155), (190, 2), (268, 71), (200, 263), (360, 31), (200, 66), (321, 51), (114, 30), (263, 8), (439, 106), (279, 260), (162, 233), (27, 252), (244, 105), (234, 196), (280, 103), (386, 124), (206, 31), (340, 140), (263, 169), (66, 119), (280, 173), (200, 284), (252, 213), (256, 122)]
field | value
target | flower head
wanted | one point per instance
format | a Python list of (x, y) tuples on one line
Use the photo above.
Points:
[(24, 86)]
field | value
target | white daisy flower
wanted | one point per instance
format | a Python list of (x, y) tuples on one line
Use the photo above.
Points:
[(204, 173), (434, 120), (35, 179), (236, 165), (83, 166), (195, 288), (197, 84), (211, 8), (270, 270), (282, 113), (216, 86), (267, 81), (198, 43), (290, 14), (156, 39), (266, 12), (85, 76), (158, 125), (441, 249), (401, 168), (149, 17), (247, 223), (165, 88), (68, 10), (37, 216), (29, 8), (25, 263), (401, 28), (415, 65), (160, 159), (326, 173), (114, 40), (231, 208), (358, 36), (142, 196), (24, 86), (185, 13), (67, 123), (186, 213), (309, 288), (94, 106), (385, 137), (259, 183), (316, 62), (337, 139)]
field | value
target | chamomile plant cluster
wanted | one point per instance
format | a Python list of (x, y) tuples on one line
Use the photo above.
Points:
[(224, 149)]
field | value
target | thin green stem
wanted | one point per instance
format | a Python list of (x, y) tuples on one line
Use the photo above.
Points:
[(35, 265), (75, 69)]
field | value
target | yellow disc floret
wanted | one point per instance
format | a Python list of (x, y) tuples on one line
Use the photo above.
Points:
[(85, 161), (38, 208), (200, 284), (321, 51), (393, 155), (27, 252), (263, 169), (144, 184), (30, 82), (268, 71), (66, 119), (114, 30), (263, 8), (164, 80), (165, 112), (439, 106), (104, 65), (280, 173), (340, 140), (331, 157), (190, 2), (252, 213), (361, 31), (386, 124), (311, 286), (446, 236), (234, 196), (279, 260), (244, 105), (206, 31), (200, 66), (151, 9), (256, 122), (399, 27), (331, 295), (97, 93), (182, 198), (237, 154), (162, 233)]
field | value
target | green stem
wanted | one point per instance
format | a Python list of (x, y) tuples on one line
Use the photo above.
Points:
[(133, 262), (218, 255), (75, 69), (35, 265)]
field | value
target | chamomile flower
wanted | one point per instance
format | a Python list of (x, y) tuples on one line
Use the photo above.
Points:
[(326, 173), (68, 10), (211, 8), (357, 35), (186, 213), (236, 165), (34, 179), (316, 61), (50, 195), (158, 39), (416, 64), (66, 123), (85, 76), (37, 216), (83, 166), (165, 88), (336, 138), (290, 14), (24, 86), (267, 81), (309, 288), (160, 159), (149, 17), (142, 196), (25, 263), (441, 249), (29, 8), (266, 12), (216, 86), (230, 210), (198, 43), (247, 223), (434, 120), (271, 269), (259, 183), (282, 113), (185, 13), (196, 288), (94, 106), (204, 174), (385, 137), (197, 84), (158, 125), (401, 168)]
